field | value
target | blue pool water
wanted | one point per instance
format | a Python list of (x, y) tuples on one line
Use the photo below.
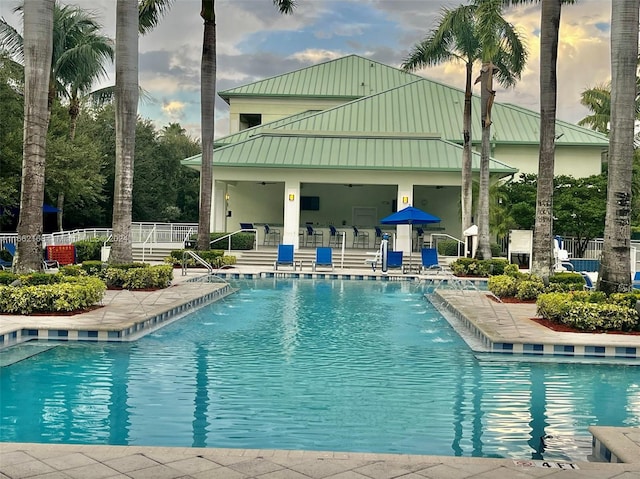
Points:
[(321, 365)]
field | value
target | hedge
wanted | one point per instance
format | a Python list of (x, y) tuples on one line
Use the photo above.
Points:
[(158, 276), (476, 267), (215, 258), (73, 294), (88, 250)]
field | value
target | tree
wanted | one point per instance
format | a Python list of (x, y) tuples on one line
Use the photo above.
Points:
[(496, 36), (615, 267), (542, 257), (79, 54), (456, 38), (38, 45), (126, 103)]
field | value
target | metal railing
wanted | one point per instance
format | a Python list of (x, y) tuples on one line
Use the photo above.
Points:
[(189, 253), (152, 234), (228, 237), (434, 244)]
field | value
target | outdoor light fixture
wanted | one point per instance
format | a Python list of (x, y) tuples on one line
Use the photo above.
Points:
[(226, 197), (292, 197), (405, 200)]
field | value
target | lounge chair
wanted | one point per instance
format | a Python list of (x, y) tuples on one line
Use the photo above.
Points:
[(430, 260), (394, 260), (324, 257), (588, 282), (285, 257), (11, 249), (636, 280)]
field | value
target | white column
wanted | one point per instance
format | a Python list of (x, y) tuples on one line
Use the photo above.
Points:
[(404, 232), (219, 207), (291, 213)]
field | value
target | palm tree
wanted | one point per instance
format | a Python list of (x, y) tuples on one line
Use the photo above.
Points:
[(80, 52), (542, 257), (615, 267), (598, 101), (126, 106), (456, 38), (497, 37), (38, 45)]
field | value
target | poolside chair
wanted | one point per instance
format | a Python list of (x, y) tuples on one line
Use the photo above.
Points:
[(285, 257), (324, 257), (271, 236), (394, 260), (588, 282), (314, 235), (11, 249), (430, 261), (360, 238), (378, 238), (636, 280), (335, 236)]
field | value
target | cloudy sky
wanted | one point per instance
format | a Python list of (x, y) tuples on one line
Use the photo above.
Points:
[(255, 42)]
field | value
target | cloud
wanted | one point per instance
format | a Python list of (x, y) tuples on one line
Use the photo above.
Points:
[(314, 55), (173, 109)]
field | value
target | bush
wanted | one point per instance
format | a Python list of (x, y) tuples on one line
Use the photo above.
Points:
[(214, 257), (567, 278), (35, 279), (159, 276), (72, 270), (553, 306), (475, 267), (449, 247), (93, 268), (74, 294), (503, 286), (88, 250), (600, 317), (628, 300), (529, 288), (512, 270), (7, 277)]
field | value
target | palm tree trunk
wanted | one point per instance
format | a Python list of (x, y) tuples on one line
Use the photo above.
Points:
[(615, 268), (542, 259), (467, 191), (207, 102), (60, 206), (126, 115), (38, 45), (486, 100)]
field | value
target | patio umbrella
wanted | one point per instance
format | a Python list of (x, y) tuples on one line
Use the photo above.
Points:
[(410, 216)]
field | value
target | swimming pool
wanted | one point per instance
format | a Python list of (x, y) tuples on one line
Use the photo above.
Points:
[(317, 365)]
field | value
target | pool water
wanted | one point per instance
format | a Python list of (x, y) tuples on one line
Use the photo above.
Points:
[(316, 365)]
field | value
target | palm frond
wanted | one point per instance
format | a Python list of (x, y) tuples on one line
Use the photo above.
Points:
[(11, 42), (150, 12), (285, 6)]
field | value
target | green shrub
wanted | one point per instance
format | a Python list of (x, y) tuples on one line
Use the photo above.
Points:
[(76, 293), (239, 241), (553, 306), (498, 265), (93, 268), (72, 270), (7, 277), (214, 257), (88, 250), (628, 300), (600, 316), (5, 255), (503, 286), (448, 247), (496, 250), (529, 288), (512, 270), (35, 279), (126, 266), (158, 276), (567, 278)]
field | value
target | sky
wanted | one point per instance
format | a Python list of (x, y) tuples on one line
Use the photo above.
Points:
[(255, 41)]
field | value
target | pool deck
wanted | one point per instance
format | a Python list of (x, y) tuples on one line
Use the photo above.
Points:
[(126, 315)]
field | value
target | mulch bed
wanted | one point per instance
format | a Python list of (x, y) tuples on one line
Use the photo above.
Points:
[(562, 328)]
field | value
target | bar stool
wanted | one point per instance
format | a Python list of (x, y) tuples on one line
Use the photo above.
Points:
[(314, 235), (360, 238), (271, 236)]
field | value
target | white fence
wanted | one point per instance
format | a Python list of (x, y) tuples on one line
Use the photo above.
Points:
[(140, 233)]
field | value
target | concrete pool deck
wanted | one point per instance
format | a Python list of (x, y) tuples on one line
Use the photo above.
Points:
[(503, 324)]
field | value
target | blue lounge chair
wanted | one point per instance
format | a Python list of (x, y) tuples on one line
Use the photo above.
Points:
[(394, 260), (636, 280), (324, 257), (11, 249), (588, 284), (285, 256), (430, 260)]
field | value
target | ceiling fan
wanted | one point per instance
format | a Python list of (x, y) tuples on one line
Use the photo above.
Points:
[(351, 185)]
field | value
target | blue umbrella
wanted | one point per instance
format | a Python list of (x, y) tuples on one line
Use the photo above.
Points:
[(410, 216)]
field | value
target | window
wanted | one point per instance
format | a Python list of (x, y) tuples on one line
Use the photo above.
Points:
[(249, 120)]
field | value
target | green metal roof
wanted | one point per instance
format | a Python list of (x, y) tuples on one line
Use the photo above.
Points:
[(432, 107), (328, 150), (244, 134), (346, 77)]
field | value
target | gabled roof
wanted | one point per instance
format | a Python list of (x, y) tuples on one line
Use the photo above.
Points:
[(426, 106), (346, 77), (331, 150)]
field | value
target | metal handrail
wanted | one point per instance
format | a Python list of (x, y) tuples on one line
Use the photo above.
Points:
[(186, 253), (144, 243), (460, 242), (186, 237), (228, 237)]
